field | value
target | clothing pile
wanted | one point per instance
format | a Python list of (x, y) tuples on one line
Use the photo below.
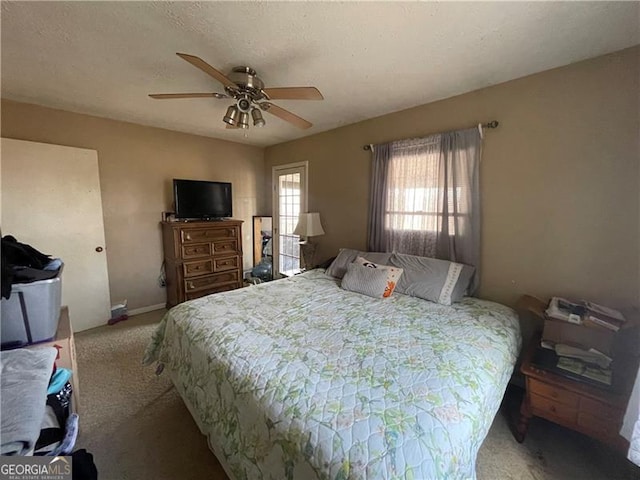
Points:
[(35, 407), (21, 263)]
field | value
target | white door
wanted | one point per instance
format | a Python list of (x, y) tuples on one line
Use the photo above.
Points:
[(289, 200), (51, 200)]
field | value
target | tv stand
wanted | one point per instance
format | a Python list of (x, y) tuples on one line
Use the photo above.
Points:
[(201, 257)]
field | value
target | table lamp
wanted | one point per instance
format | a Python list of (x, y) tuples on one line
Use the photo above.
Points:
[(308, 226)]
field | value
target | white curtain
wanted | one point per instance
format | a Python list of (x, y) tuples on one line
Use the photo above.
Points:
[(631, 425), (413, 197)]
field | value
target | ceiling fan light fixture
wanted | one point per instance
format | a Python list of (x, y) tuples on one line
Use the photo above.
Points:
[(258, 121), (243, 121), (231, 117)]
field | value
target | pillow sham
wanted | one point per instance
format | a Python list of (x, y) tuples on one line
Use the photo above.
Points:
[(347, 255), (439, 281), (393, 273), (367, 281)]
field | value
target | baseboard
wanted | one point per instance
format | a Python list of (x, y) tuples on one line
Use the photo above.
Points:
[(150, 308)]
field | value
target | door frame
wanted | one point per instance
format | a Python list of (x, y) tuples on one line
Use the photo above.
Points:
[(276, 171)]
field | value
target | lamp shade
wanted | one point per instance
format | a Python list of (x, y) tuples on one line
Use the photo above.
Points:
[(309, 225)]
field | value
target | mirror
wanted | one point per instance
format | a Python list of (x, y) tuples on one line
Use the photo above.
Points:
[(262, 249)]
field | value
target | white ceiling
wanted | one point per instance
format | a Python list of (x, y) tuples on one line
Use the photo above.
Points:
[(368, 59)]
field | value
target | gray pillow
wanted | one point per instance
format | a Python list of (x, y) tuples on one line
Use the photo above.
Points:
[(440, 281), (346, 256), (365, 280)]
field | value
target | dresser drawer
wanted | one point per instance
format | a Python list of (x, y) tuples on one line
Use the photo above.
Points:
[(195, 235), (210, 281), (226, 263), (545, 407), (225, 246), (209, 291), (194, 269), (196, 251), (558, 395)]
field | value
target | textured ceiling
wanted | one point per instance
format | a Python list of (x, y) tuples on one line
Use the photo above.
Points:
[(368, 59)]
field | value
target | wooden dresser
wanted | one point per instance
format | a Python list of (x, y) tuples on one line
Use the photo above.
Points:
[(201, 258)]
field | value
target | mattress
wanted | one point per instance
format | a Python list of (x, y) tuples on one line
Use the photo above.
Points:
[(298, 378)]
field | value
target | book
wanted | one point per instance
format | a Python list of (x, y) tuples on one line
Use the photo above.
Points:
[(600, 323), (572, 368), (583, 312), (592, 372), (565, 310)]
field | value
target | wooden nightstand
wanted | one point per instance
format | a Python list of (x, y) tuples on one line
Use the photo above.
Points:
[(594, 411)]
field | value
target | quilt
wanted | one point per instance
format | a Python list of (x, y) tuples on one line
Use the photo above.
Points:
[(299, 379)]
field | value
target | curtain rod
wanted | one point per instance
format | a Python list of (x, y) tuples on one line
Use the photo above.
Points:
[(491, 124)]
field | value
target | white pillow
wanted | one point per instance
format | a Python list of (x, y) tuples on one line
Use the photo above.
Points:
[(367, 281), (393, 273)]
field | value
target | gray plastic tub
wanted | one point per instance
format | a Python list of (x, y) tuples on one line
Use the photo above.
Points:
[(31, 313)]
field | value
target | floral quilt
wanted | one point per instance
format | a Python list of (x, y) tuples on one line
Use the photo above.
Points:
[(298, 378)]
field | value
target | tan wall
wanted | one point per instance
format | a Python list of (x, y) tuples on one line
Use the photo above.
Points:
[(559, 178), (137, 165)]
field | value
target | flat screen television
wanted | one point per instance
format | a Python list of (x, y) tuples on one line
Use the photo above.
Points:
[(197, 199)]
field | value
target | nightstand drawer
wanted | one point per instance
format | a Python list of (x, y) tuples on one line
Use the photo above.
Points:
[(600, 410), (598, 426), (195, 251), (547, 407), (556, 394), (192, 269)]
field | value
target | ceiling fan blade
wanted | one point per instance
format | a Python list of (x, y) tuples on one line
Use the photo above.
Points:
[(285, 115), (164, 96), (208, 69), (293, 93)]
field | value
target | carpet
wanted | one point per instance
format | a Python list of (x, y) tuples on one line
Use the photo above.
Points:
[(138, 428)]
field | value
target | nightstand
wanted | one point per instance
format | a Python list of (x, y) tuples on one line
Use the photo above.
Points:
[(593, 411)]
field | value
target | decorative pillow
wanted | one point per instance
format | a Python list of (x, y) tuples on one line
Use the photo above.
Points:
[(346, 256), (440, 281), (393, 274), (367, 281)]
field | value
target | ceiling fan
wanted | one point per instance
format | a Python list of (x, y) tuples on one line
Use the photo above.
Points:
[(247, 90)]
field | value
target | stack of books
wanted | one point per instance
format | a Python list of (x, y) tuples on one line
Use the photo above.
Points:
[(574, 351), (585, 313), (595, 371)]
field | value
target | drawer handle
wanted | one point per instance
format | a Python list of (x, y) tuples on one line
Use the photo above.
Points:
[(190, 285), (553, 408), (187, 236)]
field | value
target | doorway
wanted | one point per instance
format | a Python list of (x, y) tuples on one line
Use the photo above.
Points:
[(289, 200), (51, 200)]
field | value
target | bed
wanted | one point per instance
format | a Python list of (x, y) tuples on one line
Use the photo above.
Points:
[(298, 378)]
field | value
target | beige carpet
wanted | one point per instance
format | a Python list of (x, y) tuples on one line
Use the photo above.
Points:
[(137, 427)]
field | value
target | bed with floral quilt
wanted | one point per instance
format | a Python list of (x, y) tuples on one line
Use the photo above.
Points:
[(300, 379)]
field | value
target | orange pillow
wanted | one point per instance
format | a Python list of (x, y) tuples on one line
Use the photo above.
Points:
[(393, 274)]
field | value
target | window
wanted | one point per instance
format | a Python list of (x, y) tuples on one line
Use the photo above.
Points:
[(414, 197), (425, 197)]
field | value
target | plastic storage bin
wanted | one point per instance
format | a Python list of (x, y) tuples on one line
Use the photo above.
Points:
[(32, 312)]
